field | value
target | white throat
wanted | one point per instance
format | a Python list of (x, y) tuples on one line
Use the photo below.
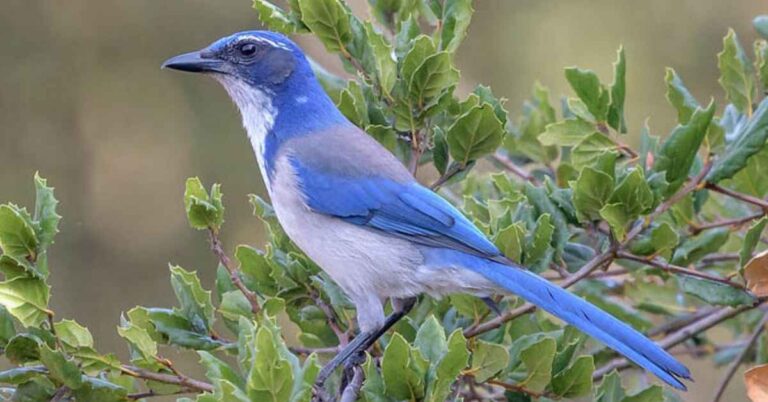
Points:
[(258, 116)]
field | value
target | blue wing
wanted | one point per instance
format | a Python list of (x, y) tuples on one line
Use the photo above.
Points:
[(406, 210)]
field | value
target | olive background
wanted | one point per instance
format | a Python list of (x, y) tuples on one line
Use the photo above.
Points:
[(84, 102)]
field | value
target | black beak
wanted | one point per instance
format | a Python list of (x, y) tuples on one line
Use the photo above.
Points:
[(194, 62)]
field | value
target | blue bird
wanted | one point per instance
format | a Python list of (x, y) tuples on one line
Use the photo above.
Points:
[(353, 208)]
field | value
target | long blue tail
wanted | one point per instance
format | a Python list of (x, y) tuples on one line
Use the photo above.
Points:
[(581, 314)]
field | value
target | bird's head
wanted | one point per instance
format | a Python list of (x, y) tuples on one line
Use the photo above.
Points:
[(259, 59)]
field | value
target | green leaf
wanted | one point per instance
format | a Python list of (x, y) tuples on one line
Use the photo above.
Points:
[(17, 236), (540, 241), (143, 346), (455, 21), (98, 390), (329, 21), (617, 218), (7, 330), (395, 367), (73, 334), (386, 66), (761, 62), (274, 17), (618, 92), (679, 150), (431, 77), (761, 25), (60, 368), (662, 240), (537, 359), (257, 270), (203, 210), (736, 74), (749, 179), (695, 248), (594, 150), (38, 389), (715, 293), (352, 104), (23, 348), (226, 391), (576, 380), (751, 239), (430, 340), (46, 218), (448, 369), (749, 141), (610, 390), (180, 331), (511, 240), (591, 192), (195, 301), (634, 194), (679, 96), (588, 88), (474, 134), (488, 359), (567, 132), (216, 368), (26, 299), (270, 377), (654, 393)]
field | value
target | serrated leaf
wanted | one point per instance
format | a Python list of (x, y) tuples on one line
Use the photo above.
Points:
[(143, 344), (218, 369), (99, 390), (567, 132), (537, 359), (511, 240), (17, 236), (679, 96), (488, 359), (386, 66), (179, 331), (761, 62), (60, 368), (593, 150), (736, 74), (256, 269), (431, 77), (610, 390), (73, 334), (195, 301), (541, 240), (699, 246), (329, 21), (749, 141), (679, 150), (273, 17), (203, 210), (45, 217), (576, 380), (588, 88), (23, 348), (455, 21), (618, 91), (474, 134), (751, 238), (715, 293), (20, 375), (270, 378), (654, 393), (449, 367), (591, 192), (394, 368), (430, 339), (26, 299)]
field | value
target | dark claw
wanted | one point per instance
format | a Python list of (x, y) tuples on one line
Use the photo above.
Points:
[(492, 305)]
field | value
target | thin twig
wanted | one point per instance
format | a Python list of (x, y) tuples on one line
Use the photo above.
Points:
[(300, 350), (672, 326), (517, 388), (353, 389), (234, 272), (330, 314), (667, 267), (448, 175), (739, 196), (184, 381), (514, 169), (151, 393), (737, 361), (696, 229), (715, 258)]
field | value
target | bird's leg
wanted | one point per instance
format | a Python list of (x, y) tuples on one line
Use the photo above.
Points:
[(363, 341), (492, 305)]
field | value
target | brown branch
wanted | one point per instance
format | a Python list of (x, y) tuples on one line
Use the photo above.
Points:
[(234, 272), (715, 258), (330, 314), (671, 268), (737, 362), (679, 336), (300, 350), (182, 380), (514, 169), (739, 196), (696, 229), (674, 325), (151, 393), (518, 388), (448, 175), (595, 263)]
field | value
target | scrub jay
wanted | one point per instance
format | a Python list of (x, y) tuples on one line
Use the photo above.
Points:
[(353, 208)]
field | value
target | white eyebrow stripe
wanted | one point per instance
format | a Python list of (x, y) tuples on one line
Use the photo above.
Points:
[(263, 40)]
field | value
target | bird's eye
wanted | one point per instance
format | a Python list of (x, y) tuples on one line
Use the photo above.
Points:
[(247, 49)]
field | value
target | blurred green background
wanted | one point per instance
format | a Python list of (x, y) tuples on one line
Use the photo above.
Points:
[(83, 100)]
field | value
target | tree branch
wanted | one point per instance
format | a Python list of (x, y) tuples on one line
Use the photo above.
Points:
[(671, 268), (353, 388), (696, 229), (739, 196), (737, 362), (503, 160), (234, 272), (182, 380)]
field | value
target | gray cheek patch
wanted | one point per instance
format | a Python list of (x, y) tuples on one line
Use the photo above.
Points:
[(279, 64)]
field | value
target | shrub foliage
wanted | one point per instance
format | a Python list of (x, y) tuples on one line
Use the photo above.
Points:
[(666, 236)]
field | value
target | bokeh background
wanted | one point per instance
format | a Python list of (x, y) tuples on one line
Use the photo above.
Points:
[(83, 101)]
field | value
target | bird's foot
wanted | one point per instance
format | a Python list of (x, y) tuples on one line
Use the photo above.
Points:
[(492, 305), (319, 394), (355, 360)]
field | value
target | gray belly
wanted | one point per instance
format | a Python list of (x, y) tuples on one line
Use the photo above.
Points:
[(362, 261)]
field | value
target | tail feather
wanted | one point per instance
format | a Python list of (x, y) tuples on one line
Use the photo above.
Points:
[(582, 315)]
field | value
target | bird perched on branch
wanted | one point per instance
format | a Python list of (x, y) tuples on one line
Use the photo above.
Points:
[(353, 208)]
